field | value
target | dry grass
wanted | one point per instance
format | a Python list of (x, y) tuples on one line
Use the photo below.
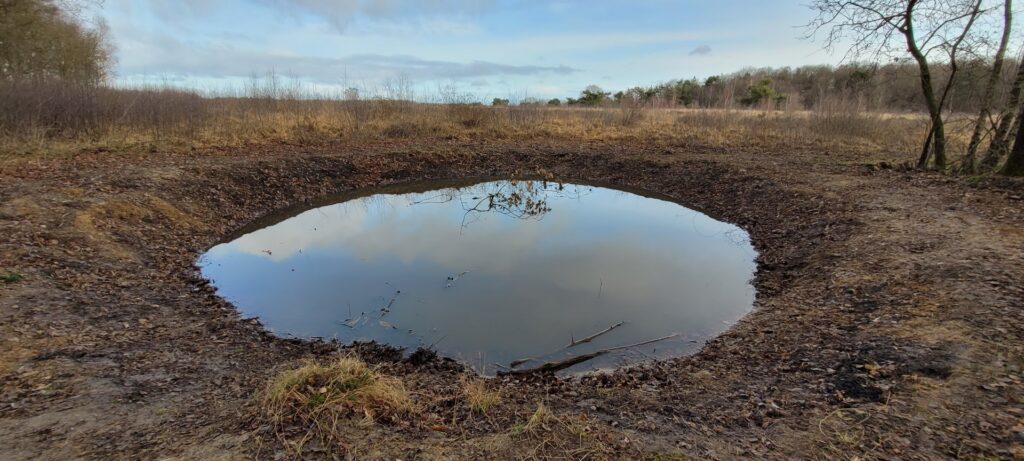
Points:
[(479, 397), (39, 120), (546, 435), (323, 398), (541, 420)]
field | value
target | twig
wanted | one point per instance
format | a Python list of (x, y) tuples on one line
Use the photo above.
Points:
[(387, 308), (590, 338), (352, 323), (642, 343), (431, 346)]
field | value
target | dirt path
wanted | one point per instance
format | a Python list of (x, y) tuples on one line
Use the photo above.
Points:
[(889, 318)]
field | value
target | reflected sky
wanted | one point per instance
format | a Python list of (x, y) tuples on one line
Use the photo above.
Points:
[(494, 272)]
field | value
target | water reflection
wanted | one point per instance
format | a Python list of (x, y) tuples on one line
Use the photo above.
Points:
[(494, 272), (514, 199)]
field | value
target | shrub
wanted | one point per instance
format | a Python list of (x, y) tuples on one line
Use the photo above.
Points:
[(760, 92), (593, 95)]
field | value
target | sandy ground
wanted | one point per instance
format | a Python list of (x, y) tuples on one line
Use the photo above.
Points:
[(888, 323)]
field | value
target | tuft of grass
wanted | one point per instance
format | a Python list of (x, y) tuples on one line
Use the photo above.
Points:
[(478, 396), (11, 277), (346, 383), (541, 419), (320, 397), (546, 435)]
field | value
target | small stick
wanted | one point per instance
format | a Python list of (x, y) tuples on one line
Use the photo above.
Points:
[(643, 343), (431, 346), (386, 309), (593, 336), (352, 323)]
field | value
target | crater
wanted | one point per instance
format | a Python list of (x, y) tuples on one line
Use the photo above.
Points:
[(503, 276)]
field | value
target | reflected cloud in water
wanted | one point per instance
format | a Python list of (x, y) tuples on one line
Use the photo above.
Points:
[(493, 272)]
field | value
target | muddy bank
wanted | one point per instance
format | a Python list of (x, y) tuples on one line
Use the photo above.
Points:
[(887, 321)]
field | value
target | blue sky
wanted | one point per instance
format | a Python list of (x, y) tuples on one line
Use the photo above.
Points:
[(486, 48)]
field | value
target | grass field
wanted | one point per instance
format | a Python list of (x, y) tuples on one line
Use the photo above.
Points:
[(45, 121)]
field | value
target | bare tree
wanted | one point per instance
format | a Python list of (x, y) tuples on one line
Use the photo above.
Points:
[(921, 27), (1000, 141), (1015, 162), (967, 165)]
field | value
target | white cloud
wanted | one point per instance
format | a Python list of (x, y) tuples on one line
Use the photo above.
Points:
[(145, 53)]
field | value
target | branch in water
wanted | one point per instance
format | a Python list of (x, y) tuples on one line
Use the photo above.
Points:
[(551, 367), (573, 342), (593, 336)]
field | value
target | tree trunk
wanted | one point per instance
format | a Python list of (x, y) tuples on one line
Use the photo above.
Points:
[(967, 164), (1001, 138), (1015, 162), (938, 132), (926, 150)]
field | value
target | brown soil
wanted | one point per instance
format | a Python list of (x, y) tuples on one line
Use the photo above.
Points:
[(889, 318)]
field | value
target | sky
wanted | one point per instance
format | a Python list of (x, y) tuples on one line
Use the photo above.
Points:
[(473, 48)]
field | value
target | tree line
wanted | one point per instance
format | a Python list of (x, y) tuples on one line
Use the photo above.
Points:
[(890, 87)]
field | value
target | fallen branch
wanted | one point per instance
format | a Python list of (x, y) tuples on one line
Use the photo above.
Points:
[(517, 362), (590, 338), (557, 365), (572, 342), (551, 367)]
